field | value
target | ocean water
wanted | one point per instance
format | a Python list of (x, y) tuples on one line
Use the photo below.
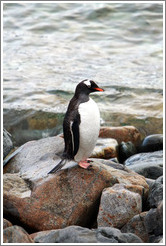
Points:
[(48, 48)]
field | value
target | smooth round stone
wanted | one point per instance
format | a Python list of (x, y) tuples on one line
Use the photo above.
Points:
[(152, 143)]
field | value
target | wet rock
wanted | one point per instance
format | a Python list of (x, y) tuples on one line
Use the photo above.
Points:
[(69, 197), (26, 125), (137, 226), (152, 143), (118, 205), (6, 223), (16, 234), (126, 150), (150, 164), (106, 148), (154, 222), (77, 234), (121, 133), (156, 193), (7, 143)]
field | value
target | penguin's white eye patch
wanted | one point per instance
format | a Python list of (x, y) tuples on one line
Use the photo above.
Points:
[(88, 83)]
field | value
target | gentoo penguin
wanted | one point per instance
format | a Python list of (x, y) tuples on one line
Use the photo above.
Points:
[(80, 126)]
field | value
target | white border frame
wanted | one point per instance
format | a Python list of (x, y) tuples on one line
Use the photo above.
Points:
[(164, 146)]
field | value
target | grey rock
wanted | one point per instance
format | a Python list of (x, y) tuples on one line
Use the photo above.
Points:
[(150, 164), (7, 143), (35, 159), (113, 235), (118, 205), (150, 182), (159, 228), (71, 234), (156, 193), (147, 225), (16, 234), (154, 221), (77, 234), (137, 226)]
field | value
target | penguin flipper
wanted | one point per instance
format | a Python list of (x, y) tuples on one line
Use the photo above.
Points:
[(58, 166), (71, 134), (75, 133)]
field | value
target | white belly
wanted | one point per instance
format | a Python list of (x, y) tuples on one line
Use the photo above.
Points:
[(89, 129)]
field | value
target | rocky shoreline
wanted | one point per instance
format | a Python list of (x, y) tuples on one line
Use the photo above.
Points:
[(111, 202)]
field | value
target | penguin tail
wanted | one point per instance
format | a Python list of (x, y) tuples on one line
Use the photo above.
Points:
[(58, 166)]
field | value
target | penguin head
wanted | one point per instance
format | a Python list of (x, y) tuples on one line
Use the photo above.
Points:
[(87, 86)]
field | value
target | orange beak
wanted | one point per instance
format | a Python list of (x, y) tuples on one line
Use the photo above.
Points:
[(98, 89)]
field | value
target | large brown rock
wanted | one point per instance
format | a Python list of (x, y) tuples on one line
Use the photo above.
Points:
[(69, 197), (16, 234), (121, 133), (118, 205)]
